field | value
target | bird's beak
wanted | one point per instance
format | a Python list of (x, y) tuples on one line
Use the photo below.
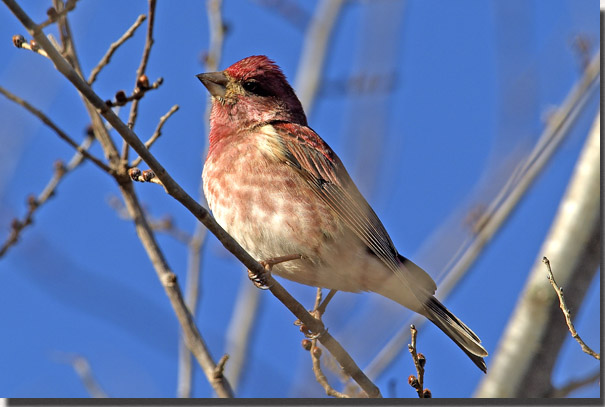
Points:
[(215, 82)]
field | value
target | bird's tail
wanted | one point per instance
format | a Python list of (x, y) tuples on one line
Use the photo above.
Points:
[(461, 334)]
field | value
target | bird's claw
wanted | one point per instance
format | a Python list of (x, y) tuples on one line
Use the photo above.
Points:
[(307, 332), (315, 335), (259, 280)]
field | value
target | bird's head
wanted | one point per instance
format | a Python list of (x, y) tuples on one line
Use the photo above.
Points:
[(251, 91)]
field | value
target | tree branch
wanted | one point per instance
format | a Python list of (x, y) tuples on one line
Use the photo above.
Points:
[(498, 211), (174, 189), (157, 133), (166, 276), (417, 382), (523, 363), (34, 204), (114, 47), (574, 334), (134, 108), (44, 119)]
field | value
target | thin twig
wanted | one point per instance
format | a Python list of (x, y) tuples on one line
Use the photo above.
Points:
[(67, 41), (573, 244), (317, 299), (71, 56), (141, 89), (316, 352), (146, 236), (574, 385), (113, 48), (134, 108), (319, 375), (321, 309), (574, 334), (157, 133), (167, 277), (220, 368), (54, 15), (417, 382), (44, 119), (19, 42), (34, 204)]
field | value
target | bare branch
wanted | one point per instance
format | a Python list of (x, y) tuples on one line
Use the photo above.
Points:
[(166, 276), (192, 336), (219, 377), (559, 290), (49, 191), (114, 47), (527, 171), (417, 382), (19, 42), (319, 375), (134, 108), (157, 133), (321, 309), (54, 15), (71, 57), (495, 215), (141, 88), (174, 189), (44, 119), (523, 363), (316, 352)]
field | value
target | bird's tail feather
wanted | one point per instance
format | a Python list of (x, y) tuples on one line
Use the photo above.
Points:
[(462, 335)]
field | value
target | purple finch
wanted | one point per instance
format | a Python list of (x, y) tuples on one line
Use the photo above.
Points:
[(275, 186)]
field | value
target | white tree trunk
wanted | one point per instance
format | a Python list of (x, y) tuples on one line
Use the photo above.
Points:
[(530, 345)]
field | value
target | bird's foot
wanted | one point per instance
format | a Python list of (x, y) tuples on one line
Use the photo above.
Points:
[(260, 280), (308, 332)]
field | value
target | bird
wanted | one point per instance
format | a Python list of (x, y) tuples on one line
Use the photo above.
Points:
[(281, 192)]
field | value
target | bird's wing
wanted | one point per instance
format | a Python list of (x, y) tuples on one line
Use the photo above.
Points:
[(300, 147)]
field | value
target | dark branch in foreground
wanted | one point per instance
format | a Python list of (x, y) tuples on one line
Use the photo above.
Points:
[(174, 189), (95, 106)]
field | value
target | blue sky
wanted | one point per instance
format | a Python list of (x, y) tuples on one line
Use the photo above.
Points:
[(466, 87)]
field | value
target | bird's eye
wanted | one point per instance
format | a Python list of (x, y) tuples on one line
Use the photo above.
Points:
[(254, 86), (251, 86)]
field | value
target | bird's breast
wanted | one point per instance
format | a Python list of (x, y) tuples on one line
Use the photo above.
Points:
[(264, 203)]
